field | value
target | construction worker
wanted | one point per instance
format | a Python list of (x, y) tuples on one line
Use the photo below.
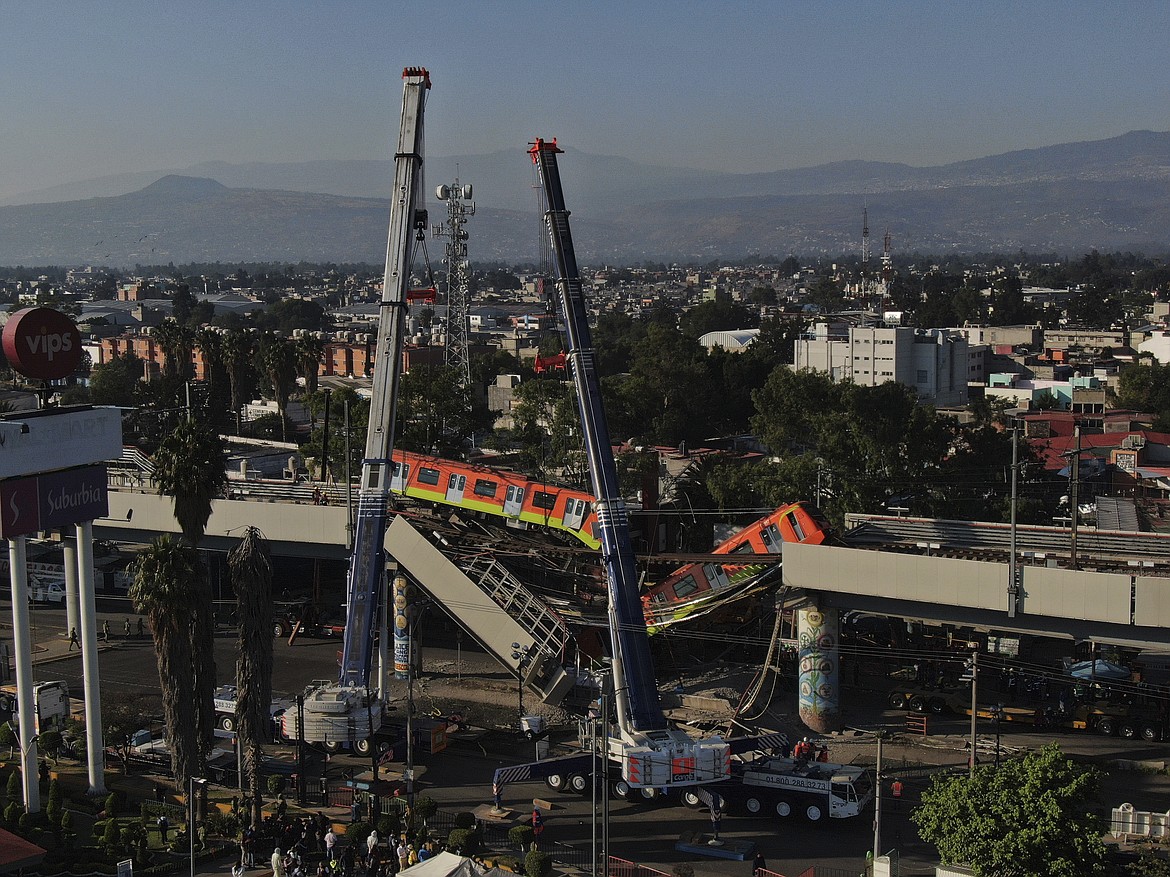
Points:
[(73, 643), (896, 791)]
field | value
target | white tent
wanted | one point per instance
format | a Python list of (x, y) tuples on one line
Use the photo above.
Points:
[(450, 865)]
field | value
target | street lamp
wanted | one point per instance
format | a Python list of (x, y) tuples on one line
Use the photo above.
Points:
[(202, 784), (522, 655)]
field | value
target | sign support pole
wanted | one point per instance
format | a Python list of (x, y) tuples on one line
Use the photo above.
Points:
[(89, 661), (22, 641)]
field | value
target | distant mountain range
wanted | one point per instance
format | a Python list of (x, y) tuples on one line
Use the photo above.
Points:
[(1110, 195)]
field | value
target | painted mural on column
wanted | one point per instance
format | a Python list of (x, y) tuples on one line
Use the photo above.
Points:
[(818, 669)]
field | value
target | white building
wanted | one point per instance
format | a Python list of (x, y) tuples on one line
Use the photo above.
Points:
[(933, 362)]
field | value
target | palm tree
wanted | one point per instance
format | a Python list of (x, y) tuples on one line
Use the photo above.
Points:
[(239, 348), (278, 361), (210, 342), (165, 590), (190, 465), (251, 571), (310, 348), (177, 342)]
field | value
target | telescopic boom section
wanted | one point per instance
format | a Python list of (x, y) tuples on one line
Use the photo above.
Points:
[(635, 688), (367, 565)]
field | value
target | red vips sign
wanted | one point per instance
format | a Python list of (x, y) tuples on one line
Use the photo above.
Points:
[(42, 343)]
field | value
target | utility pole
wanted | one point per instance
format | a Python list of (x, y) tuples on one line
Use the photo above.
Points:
[(1013, 568), (878, 781), (1074, 498), (974, 702)]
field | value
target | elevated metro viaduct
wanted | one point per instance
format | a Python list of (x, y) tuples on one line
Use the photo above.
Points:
[(1120, 608)]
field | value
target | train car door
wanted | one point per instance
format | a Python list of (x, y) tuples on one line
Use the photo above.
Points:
[(456, 484), (400, 475), (513, 501), (716, 575), (773, 541), (576, 511)]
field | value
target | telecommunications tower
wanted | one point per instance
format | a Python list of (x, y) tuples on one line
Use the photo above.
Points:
[(459, 207)]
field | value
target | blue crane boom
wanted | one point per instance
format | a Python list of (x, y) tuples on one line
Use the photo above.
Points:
[(368, 562), (650, 750), (635, 688)]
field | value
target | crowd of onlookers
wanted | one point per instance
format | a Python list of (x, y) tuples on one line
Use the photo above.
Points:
[(297, 842)]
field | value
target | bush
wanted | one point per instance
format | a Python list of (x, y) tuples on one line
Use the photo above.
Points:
[(50, 743), (13, 812), (276, 784), (13, 790), (389, 825), (464, 841), (358, 832), (111, 835), (537, 864), (464, 819), (521, 836), (56, 796), (222, 824), (66, 821), (111, 805), (425, 807)]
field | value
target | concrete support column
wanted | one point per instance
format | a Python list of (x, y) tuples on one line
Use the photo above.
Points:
[(72, 612), (402, 644), (818, 669), (94, 740), (22, 640)]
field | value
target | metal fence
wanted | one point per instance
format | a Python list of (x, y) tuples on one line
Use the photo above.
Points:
[(622, 868)]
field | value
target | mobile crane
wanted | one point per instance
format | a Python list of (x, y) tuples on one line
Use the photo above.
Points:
[(347, 712), (650, 752)]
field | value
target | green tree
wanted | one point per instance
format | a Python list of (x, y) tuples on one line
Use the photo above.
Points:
[(122, 715), (434, 411), (1030, 817), (166, 590), (177, 342), (310, 348), (114, 382), (251, 572), (278, 362), (239, 349), (190, 465)]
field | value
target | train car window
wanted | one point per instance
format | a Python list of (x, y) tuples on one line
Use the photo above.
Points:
[(483, 487), (427, 475), (767, 538), (685, 587), (658, 597), (744, 547), (543, 500)]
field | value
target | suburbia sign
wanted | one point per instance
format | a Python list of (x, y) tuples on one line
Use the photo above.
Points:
[(42, 343), (57, 499)]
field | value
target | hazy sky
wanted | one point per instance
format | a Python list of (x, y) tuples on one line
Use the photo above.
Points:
[(95, 88)]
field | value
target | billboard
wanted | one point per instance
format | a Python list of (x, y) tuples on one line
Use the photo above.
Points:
[(58, 438), (49, 502)]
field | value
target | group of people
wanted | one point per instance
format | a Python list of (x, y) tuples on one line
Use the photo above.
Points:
[(806, 751), (294, 838), (128, 632)]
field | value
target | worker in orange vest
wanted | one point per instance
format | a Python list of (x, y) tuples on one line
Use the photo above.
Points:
[(896, 789)]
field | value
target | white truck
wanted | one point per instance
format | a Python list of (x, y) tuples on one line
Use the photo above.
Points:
[(51, 700), (225, 710), (813, 790)]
